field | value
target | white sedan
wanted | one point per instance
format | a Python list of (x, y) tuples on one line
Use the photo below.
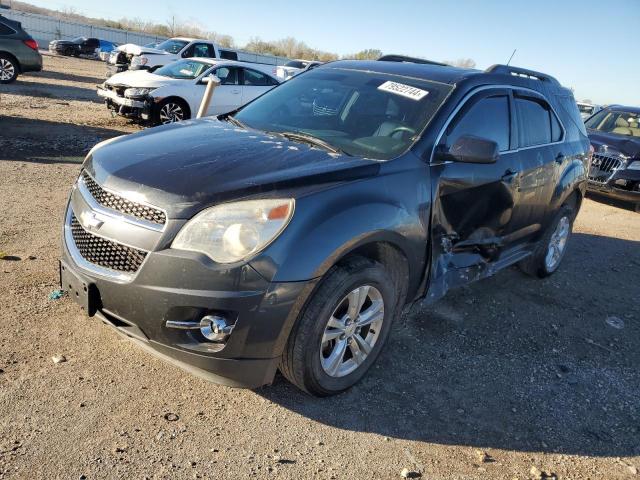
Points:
[(174, 92)]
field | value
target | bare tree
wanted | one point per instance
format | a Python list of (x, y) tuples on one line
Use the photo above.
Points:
[(462, 63)]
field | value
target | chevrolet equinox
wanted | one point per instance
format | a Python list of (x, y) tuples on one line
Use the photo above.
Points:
[(290, 233)]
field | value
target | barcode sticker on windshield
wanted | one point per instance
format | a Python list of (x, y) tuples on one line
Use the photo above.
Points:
[(405, 90)]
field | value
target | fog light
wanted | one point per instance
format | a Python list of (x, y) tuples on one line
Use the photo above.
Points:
[(215, 328)]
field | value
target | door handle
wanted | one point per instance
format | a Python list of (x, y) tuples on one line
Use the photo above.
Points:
[(509, 176), (560, 158)]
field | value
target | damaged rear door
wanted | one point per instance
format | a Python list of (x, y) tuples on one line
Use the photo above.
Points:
[(474, 204)]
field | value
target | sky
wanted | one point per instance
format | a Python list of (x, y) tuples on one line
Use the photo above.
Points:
[(591, 46)]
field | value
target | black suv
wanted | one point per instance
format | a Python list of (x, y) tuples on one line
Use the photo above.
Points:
[(291, 233), (18, 51), (615, 170)]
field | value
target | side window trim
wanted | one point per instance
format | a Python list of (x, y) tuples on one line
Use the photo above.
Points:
[(472, 99), (532, 94), (511, 89)]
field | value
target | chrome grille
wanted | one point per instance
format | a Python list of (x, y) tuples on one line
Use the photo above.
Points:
[(120, 204), (105, 253), (603, 167)]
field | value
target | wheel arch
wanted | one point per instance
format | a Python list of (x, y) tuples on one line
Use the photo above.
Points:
[(175, 98)]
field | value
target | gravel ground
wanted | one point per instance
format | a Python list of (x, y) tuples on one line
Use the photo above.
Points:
[(511, 377)]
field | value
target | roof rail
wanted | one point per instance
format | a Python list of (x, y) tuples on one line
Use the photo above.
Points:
[(522, 72), (405, 59)]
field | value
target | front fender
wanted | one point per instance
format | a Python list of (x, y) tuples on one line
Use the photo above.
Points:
[(329, 225)]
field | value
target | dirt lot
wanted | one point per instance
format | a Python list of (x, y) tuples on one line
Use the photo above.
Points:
[(508, 374)]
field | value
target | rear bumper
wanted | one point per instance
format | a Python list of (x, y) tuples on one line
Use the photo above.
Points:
[(30, 60)]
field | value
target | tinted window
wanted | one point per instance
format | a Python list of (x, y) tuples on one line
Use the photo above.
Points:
[(487, 118), (296, 64), (227, 76), (537, 124), (256, 79), (201, 50), (4, 30)]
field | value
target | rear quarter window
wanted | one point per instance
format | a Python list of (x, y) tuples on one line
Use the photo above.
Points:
[(568, 110), (5, 30)]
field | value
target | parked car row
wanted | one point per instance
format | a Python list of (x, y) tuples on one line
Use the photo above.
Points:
[(173, 92), (289, 233), (82, 46)]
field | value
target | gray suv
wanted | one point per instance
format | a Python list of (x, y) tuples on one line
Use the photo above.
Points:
[(18, 51)]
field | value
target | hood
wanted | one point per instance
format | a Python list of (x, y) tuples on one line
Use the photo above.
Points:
[(184, 167), (140, 79), (614, 143), (133, 49)]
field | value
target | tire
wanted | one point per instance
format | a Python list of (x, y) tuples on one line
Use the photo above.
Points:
[(544, 262), (9, 69), (172, 110), (324, 328)]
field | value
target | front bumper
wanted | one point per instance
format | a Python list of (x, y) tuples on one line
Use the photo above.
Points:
[(127, 107), (173, 285), (623, 185)]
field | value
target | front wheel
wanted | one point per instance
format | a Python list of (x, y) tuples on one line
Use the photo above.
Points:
[(550, 251), (8, 69), (172, 110), (342, 330)]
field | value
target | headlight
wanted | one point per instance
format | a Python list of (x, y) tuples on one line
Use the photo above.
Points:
[(136, 92), (139, 61), (635, 165), (231, 232)]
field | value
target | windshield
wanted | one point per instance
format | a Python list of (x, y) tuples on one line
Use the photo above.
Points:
[(78, 40), (615, 121), (172, 46), (296, 64), (364, 114), (183, 69), (585, 109)]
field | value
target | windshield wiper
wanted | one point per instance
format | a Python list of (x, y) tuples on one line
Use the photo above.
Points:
[(235, 121), (310, 139)]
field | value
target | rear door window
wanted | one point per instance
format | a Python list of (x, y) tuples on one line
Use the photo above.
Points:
[(256, 79), (537, 123), (487, 118)]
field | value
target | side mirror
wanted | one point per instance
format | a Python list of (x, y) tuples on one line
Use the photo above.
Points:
[(470, 149)]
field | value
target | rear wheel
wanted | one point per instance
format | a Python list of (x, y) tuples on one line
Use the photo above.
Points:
[(342, 330), (9, 69), (551, 249), (172, 110)]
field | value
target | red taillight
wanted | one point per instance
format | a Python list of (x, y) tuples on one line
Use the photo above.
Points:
[(31, 43)]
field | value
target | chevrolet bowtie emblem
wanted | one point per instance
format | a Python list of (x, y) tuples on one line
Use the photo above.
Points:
[(91, 221)]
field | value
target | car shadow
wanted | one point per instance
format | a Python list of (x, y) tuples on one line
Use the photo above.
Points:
[(610, 201), (70, 77), (511, 362), (28, 88), (43, 141)]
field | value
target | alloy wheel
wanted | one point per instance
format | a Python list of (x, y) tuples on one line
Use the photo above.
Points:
[(557, 244), (171, 112), (352, 331), (7, 69)]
